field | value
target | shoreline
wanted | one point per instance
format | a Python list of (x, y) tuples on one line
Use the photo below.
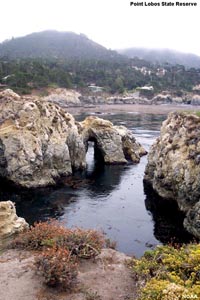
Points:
[(131, 108)]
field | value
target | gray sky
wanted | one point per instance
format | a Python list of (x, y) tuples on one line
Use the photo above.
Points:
[(112, 23)]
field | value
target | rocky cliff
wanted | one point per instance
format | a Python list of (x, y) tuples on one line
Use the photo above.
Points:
[(39, 141), (173, 166), (10, 223)]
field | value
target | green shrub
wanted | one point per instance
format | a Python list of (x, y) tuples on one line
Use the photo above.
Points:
[(57, 267), (169, 273)]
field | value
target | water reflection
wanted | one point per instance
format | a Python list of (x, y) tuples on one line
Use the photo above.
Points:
[(168, 219), (39, 204), (106, 197)]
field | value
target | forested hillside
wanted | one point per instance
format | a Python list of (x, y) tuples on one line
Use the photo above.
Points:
[(66, 59)]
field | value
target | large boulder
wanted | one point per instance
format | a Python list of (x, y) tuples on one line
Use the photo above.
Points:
[(10, 223), (173, 167), (116, 144), (39, 142)]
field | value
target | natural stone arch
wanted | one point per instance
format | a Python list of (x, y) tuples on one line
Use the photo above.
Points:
[(115, 143), (98, 153)]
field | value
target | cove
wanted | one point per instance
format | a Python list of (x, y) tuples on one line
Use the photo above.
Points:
[(113, 199)]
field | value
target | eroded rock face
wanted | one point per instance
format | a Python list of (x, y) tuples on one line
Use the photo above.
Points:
[(173, 166), (39, 142), (115, 143), (10, 223)]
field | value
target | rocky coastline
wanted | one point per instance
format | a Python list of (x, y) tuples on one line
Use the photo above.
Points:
[(72, 98), (40, 142)]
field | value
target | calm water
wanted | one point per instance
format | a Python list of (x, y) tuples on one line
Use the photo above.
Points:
[(110, 198)]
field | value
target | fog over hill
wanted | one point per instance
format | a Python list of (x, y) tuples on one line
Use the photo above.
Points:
[(55, 44), (163, 56)]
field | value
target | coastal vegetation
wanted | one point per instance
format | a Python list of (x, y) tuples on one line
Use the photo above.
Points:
[(165, 273), (59, 250), (168, 273), (24, 75)]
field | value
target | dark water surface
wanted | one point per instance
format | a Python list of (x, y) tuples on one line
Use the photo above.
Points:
[(110, 198)]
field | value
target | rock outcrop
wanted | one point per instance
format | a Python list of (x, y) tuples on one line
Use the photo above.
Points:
[(173, 166), (10, 223), (115, 144), (39, 141), (8, 95), (64, 97)]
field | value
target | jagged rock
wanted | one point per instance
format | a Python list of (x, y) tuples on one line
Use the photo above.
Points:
[(116, 144), (10, 223), (173, 166), (39, 142)]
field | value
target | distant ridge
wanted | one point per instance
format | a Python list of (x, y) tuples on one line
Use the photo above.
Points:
[(163, 56), (54, 44)]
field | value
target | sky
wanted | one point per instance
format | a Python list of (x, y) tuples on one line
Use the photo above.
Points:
[(112, 23)]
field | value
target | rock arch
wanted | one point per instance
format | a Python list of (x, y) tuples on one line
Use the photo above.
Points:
[(115, 144)]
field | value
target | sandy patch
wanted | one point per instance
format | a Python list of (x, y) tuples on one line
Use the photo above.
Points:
[(105, 278)]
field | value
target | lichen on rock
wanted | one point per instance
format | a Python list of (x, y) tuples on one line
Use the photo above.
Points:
[(39, 142), (173, 167)]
